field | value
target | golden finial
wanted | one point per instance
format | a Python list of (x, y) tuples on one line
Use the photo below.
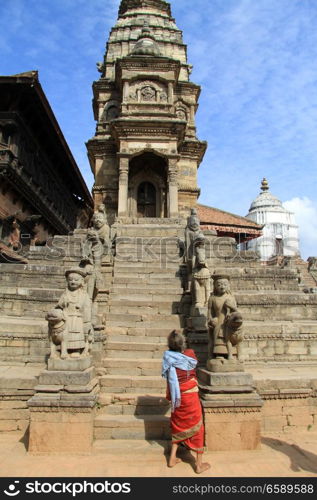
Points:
[(264, 185)]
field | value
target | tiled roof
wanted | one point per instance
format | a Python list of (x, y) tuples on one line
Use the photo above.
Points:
[(219, 219)]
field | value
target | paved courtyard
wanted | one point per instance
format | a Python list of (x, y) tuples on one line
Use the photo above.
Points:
[(279, 456)]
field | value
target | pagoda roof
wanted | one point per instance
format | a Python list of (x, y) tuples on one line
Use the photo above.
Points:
[(226, 222), (27, 85)]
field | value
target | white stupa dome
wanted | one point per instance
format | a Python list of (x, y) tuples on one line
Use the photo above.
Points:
[(266, 200)]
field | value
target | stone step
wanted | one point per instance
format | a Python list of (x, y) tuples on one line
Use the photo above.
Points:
[(264, 287), (141, 287), (135, 350), (137, 308), (132, 427), (137, 331), (133, 404), (48, 294), (31, 269), (144, 265), (12, 326), (278, 312), (144, 244), (123, 366), (149, 281), (153, 275), (259, 272), (152, 298), (267, 327), (147, 253), (138, 321), (134, 339), (132, 383)]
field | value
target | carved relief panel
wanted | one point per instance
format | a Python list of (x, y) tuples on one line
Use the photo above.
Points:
[(181, 111), (148, 92)]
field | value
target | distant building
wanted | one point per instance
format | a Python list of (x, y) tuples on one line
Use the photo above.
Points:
[(280, 232), (42, 192), (227, 224)]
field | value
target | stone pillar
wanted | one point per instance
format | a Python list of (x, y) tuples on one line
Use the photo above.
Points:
[(125, 91), (172, 189), (123, 187), (170, 93)]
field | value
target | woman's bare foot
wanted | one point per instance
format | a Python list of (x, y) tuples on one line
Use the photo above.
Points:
[(174, 462), (202, 467)]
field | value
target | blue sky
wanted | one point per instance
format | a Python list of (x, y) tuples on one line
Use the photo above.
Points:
[(256, 61)]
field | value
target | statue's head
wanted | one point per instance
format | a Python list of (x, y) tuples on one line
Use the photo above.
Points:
[(193, 220), (98, 220), (55, 316), (221, 284), (75, 278)]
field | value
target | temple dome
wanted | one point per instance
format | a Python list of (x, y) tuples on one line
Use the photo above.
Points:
[(146, 44), (266, 200)]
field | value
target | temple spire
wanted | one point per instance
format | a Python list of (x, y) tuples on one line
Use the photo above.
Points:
[(160, 5)]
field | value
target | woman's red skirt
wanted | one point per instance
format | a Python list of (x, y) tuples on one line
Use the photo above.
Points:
[(187, 420)]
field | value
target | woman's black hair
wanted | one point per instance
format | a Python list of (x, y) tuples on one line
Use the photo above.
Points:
[(176, 341)]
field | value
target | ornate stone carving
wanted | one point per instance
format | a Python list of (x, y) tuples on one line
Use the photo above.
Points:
[(123, 174), (181, 114), (96, 245), (312, 267), (69, 323), (201, 275), (97, 242), (148, 93), (192, 231), (163, 96), (224, 324)]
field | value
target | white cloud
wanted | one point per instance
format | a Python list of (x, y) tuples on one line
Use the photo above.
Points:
[(305, 211)]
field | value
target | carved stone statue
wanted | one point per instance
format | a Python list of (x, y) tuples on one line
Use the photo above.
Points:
[(69, 323), (312, 267), (97, 242), (96, 245), (192, 231), (224, 322), (201, 274)]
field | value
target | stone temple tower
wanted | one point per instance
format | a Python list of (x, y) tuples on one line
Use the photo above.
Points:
[(145, 153)]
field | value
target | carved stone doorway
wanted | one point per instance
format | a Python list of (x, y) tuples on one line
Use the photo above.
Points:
[(146, 200), (147, 187)]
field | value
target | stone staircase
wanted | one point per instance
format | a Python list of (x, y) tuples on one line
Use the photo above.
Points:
[(143, 309), (307, 281), (145, 304)]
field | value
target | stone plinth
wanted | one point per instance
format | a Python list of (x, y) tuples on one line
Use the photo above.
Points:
[(61, 430), (232, 410), (221, 365), (63, 407)]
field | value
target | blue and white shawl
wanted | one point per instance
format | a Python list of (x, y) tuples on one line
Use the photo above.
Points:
[(171, 361)]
